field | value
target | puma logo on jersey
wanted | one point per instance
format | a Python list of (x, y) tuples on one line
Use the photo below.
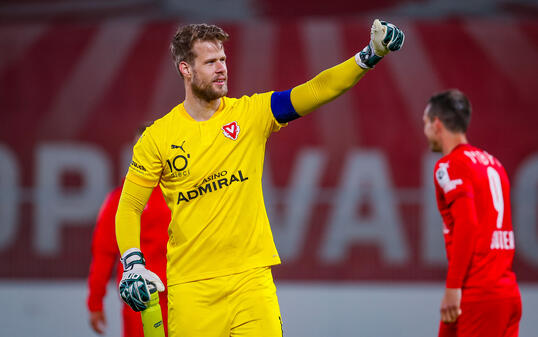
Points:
[(231, 130), (444, 180), (179, 146)]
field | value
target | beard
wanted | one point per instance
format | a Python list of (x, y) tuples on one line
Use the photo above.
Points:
[(434, 146), (205, 91)]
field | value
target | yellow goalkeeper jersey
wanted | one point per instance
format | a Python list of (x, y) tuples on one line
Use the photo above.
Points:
[(210, 173)]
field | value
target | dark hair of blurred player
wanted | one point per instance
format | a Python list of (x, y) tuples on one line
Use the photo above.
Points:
[(452, 110)]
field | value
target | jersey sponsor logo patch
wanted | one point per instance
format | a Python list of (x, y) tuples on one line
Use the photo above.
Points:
[(178, 164), (138, 166), (231, 130), (211, 184), (443, 179)]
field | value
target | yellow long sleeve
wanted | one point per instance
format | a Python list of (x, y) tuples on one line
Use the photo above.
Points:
[(132, 202), (326, 86)]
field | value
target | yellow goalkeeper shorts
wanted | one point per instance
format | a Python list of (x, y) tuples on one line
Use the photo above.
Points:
[(243, 304)]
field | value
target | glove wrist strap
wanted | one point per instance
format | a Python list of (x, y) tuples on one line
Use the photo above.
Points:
[(131, 258), (367, 58)]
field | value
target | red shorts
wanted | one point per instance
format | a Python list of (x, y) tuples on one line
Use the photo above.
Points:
[(493, 318)]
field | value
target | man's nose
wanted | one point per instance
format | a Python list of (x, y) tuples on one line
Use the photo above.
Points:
[(221, 67)]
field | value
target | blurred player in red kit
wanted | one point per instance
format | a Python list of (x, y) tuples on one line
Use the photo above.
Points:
[(105, 256), (473, 196)]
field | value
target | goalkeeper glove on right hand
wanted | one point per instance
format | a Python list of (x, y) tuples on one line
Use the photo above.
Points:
[(384, 38), (136, 281)]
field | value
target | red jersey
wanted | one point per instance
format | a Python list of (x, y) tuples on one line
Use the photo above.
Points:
[(473, 196), (105, 252)]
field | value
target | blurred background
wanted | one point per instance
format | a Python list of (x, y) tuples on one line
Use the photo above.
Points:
[(348, 189)]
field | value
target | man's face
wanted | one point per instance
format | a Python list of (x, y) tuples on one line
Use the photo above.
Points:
[(209, 73), (431, 131)]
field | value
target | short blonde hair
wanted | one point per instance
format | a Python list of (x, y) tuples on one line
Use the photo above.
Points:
[(186, 36)]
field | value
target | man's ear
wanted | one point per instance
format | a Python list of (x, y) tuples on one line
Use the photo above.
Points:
[(437, 125), (185, 69)]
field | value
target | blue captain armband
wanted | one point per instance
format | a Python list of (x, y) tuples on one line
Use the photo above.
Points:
[(282, 108)]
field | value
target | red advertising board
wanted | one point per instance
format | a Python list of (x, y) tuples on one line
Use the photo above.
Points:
[(348, 188)]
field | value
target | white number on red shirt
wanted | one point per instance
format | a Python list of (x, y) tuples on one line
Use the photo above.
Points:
[(496, 194)]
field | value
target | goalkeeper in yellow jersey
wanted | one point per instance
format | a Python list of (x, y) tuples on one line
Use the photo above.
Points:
[(207, 156)]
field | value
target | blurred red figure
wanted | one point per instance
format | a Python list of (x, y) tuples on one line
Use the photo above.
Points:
[(106, 255), (473, 195)]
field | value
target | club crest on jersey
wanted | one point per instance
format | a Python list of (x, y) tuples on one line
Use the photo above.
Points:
[(444, 180), (231, 130)]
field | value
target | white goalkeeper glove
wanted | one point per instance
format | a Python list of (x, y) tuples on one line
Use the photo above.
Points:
[(384, 38), (137, 283)]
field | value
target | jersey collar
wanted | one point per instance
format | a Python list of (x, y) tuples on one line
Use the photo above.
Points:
[(183, 112)]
